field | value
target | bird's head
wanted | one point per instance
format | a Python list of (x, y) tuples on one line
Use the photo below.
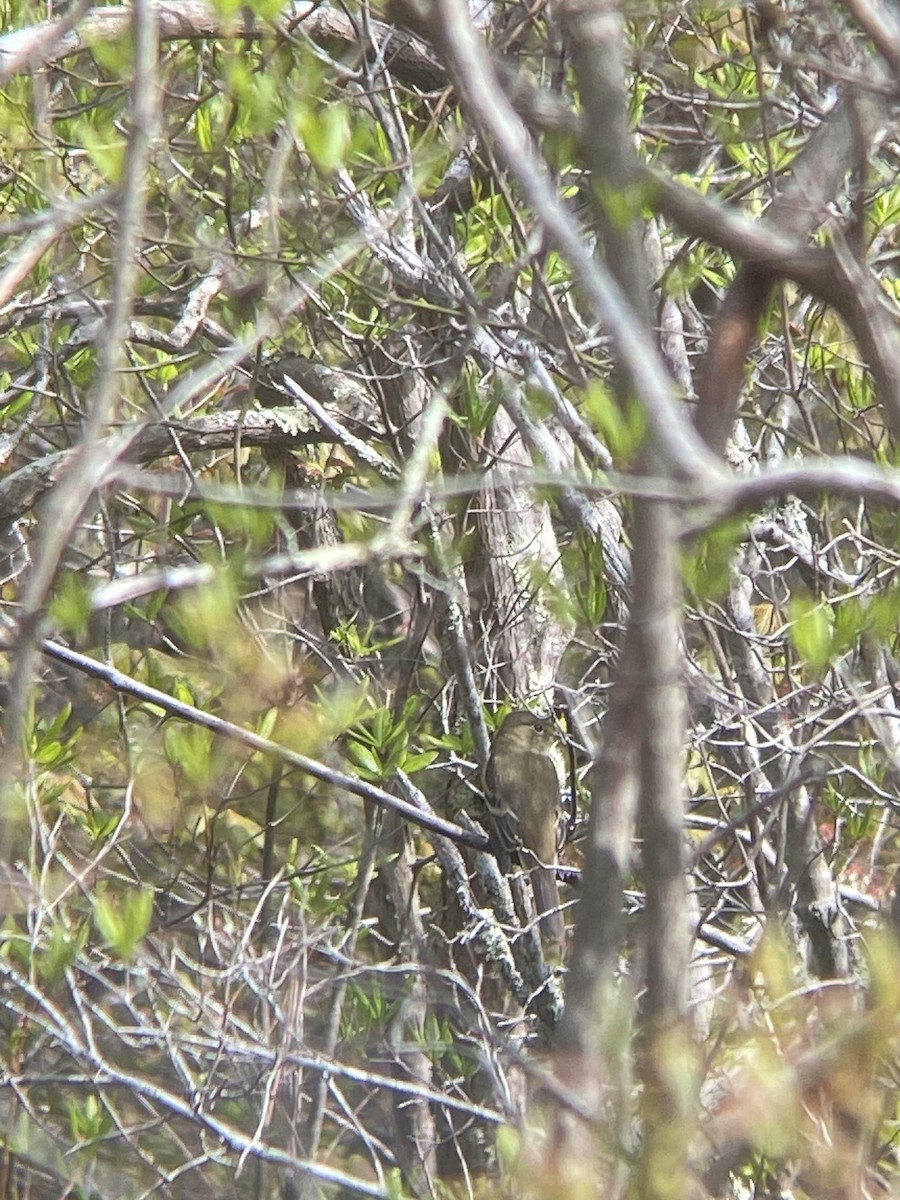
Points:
[(526, 730)]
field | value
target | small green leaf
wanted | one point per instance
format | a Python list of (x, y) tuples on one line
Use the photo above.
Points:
[(106, 153), (226, 8), (326, 134), (122, 921), (203, 129), (70, 606), (418, 762), (48, 753), (622, 429), (88, 1119), (812, 632), (60, 952), (707, 569), (509, 1148), (364, 759), (266, 724), (189, 748)]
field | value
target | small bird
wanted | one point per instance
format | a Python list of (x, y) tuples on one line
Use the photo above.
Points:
[(523, 800)]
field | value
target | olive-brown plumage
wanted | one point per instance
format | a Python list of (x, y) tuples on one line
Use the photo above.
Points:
[(523, 797)]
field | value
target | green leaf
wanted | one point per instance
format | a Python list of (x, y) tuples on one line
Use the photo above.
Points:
[(56, 726), (364, 759), (88, 1119), (882, 615), (16, 406), (122, 921), (70, 606), (48, 753), (812, 632), (418, 762), (107, 153), (509, 1148), (707, 568), (115, 56), (266, 725), (47, 746), (61, 951), (203, 128), (621, 429), (189, 749), (99, 824), (226, 8), (205, 614), (326, 134), (478, 403)]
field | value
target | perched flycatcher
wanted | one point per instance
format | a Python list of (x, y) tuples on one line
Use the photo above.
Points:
[(523, 796)]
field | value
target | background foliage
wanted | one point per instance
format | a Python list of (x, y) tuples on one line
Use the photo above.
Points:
[(356, 387)]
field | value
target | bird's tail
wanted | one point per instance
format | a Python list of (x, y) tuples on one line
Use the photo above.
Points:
[(546, 901)]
